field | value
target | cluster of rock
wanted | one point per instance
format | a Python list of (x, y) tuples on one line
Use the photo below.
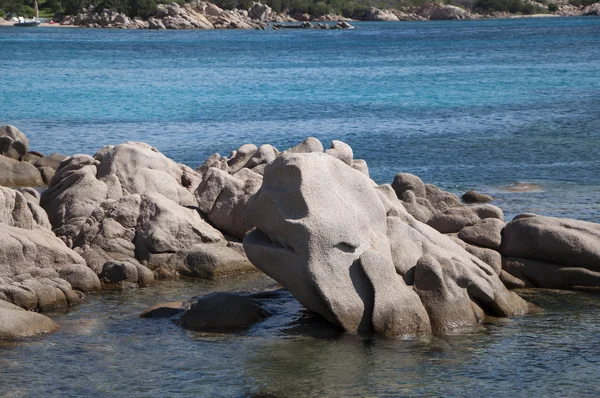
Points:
[(400, 259), (204, 15), (129, 208), (37, 270), (428, 11), (350, 251), (529, 251), (21, 167), (200, 15)]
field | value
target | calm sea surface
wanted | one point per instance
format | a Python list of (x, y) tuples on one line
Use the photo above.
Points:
[(476, 104)]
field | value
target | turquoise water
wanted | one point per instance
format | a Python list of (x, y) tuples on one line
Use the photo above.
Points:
[(475, 104)]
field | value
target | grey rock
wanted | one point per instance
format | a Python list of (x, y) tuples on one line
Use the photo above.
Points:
[(37, 270), (164, 310), (565, 242), (440, 199), (375, 14), (223, 197), (260, 11), (551, 276), (16, 323), (13, 143), (408, 182), (361, 165), (436, 11), (350, 251), (52, 161), (14, 173), (80, 277), (241, 157), (310, 144), (476, 197), (486, 233), (47, 174), (115, 272), (30, 158), (263, 156), (341, 151), (218, 312), (488, 256), (455, 219)]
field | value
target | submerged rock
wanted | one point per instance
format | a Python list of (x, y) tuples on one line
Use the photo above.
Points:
[(222, 312), (350, 252)]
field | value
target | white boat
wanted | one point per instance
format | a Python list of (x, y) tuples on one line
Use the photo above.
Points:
[(30, 22), (27, 22)]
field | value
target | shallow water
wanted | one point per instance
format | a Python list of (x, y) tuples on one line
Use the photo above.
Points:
[(105, 349), (476, 104)]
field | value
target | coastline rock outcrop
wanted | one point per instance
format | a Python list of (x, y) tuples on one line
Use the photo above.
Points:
[(37, 270), (129, 203), (201, 15), (437, 11), (375, 14), (260, 11), (552, 252), (349, 251)]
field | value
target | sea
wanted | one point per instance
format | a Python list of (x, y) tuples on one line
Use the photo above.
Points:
[(482, 105)]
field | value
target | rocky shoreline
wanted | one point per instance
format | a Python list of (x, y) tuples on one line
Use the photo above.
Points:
[(399, 259), (206, 16)]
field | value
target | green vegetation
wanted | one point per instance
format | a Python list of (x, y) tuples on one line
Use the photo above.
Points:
[(355, 9), (50, 8)]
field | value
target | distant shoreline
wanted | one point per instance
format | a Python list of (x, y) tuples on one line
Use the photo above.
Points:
[(4, 23)]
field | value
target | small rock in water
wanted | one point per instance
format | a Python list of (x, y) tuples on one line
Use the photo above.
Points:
[(222, 312), (476, 197)]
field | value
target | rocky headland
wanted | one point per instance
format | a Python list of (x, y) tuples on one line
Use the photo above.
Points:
[(399, 259), (205, 15)]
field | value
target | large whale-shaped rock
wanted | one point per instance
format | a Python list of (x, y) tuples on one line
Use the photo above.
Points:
[(349, 251)]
